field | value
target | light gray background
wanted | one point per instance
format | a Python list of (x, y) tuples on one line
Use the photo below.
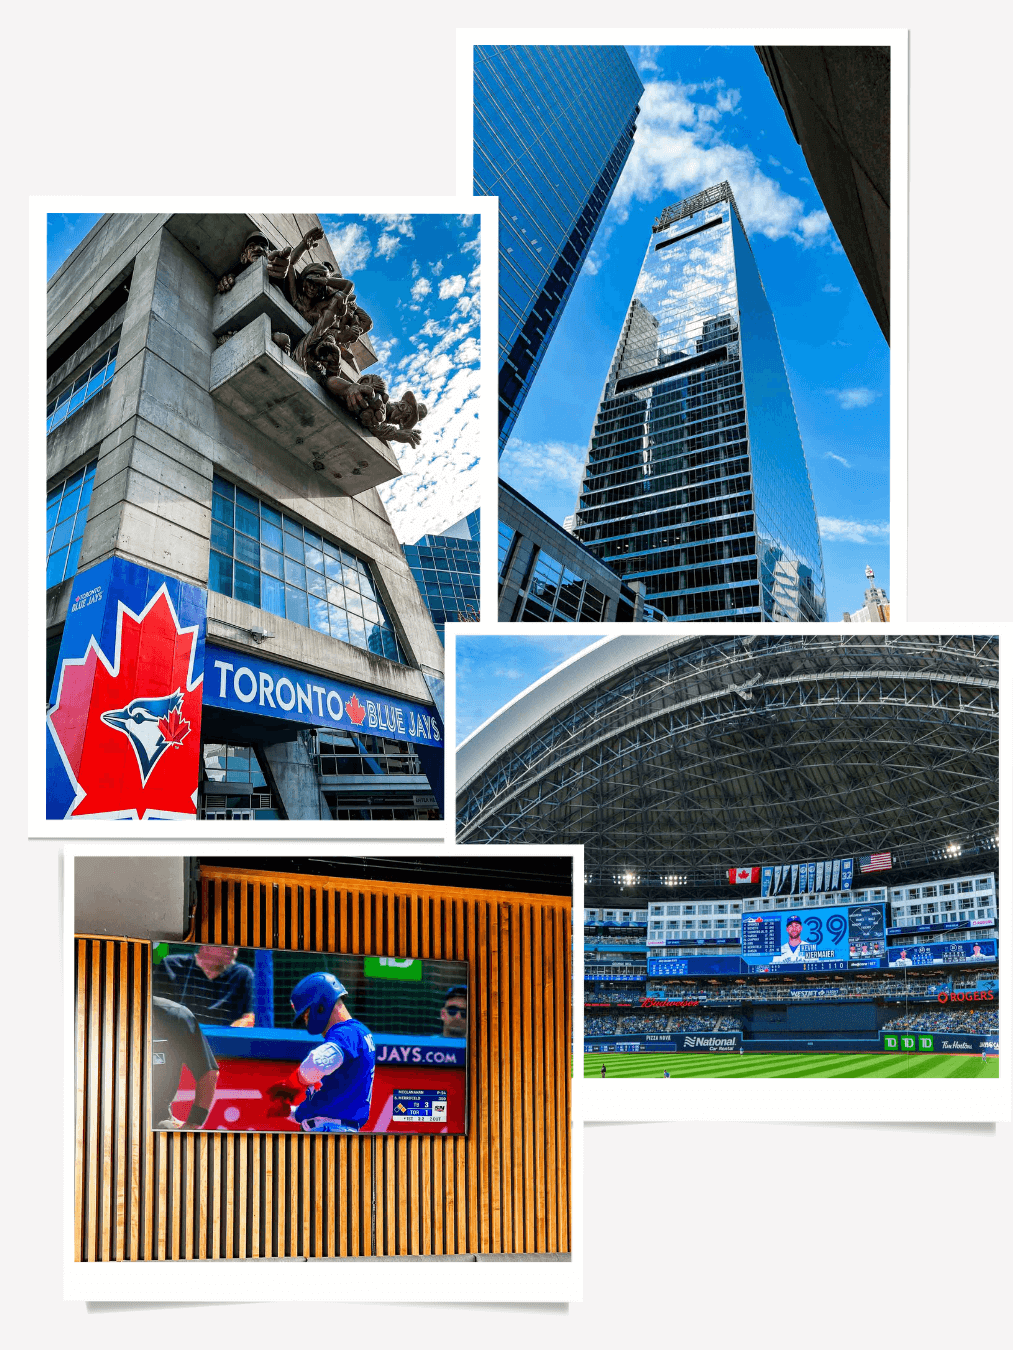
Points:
[(682, 1242)]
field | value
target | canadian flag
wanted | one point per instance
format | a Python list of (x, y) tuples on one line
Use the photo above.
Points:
[(742, 876)]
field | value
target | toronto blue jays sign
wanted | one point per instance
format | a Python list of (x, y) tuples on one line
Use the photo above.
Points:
[(251, 684), (125, 713)]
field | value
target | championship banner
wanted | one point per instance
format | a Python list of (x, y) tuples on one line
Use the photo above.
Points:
[(809, 878), (124, 722)]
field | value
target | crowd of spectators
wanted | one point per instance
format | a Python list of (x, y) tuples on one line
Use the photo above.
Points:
[(615, 940), (657, 1023), (802, 991), (969, 1021)]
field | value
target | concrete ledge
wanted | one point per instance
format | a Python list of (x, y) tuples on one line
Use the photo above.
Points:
[(252, 295), (256, 381)]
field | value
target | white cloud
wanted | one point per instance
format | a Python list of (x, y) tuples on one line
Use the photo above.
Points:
[(387, 245), (840, 459), (440, 480), (468, 351), (680, 149), (451, 286), (351, 247), (647, 58), (422, 287), (854, 531), (416, 269), (854, 398), (831, 289), (401, 223), (472, 245), (556, 464)]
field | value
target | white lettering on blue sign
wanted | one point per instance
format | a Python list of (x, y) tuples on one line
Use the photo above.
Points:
[(245, 698), (299, 697), (224, 667)]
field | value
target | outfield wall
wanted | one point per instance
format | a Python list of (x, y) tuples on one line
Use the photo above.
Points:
[(730, 1042)]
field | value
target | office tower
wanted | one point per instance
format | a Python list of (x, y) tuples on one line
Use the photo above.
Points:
[(877, 604), (553, 129), (232, 629), (696, 482), (446, 568)]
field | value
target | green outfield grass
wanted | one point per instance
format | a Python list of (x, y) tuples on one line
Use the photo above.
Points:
[(689, 1065)]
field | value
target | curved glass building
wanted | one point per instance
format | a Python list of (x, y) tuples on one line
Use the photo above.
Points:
[(696, 481)]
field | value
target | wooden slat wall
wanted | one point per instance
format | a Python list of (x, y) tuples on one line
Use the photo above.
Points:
[(141, 1195)]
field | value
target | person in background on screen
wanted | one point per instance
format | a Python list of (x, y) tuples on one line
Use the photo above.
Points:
[(216, 987), (454, 1013), (177, 1041)]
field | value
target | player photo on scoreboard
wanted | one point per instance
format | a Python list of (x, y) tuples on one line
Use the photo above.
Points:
[(256, 1039)]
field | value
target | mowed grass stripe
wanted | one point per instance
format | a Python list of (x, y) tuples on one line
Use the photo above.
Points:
[(796, 1065)]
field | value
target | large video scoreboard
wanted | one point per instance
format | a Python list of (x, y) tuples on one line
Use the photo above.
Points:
[(819, 937)]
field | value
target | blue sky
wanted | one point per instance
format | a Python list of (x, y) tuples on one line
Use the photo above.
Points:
[(493, 670), (709, 114), (417, 276)]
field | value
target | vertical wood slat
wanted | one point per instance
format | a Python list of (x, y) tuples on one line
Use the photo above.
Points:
[(504, 1187)]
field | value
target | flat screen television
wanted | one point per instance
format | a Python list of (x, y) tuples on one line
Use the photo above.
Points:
[(264, 1040)]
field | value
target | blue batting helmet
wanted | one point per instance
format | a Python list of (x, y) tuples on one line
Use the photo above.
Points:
[(317, 995)]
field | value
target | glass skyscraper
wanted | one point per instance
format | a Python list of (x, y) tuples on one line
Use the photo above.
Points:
[(696, 481), (445, 566), (553, 128)]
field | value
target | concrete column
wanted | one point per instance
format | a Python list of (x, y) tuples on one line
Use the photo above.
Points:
[(293, 774)]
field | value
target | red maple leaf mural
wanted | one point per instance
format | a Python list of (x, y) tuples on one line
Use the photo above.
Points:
[(152, 661), (174, 728), (355, 710)]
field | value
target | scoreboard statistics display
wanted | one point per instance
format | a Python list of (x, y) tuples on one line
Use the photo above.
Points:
[(824, 937)]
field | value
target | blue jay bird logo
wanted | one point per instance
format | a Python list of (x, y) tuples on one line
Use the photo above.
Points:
[(152, 725)]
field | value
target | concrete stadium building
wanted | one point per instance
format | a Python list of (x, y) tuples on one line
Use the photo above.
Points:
[(232, 630)]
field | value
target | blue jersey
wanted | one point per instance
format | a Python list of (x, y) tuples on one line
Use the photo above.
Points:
[(347, 1059)]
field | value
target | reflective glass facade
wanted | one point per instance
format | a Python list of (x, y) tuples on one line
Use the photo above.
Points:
[(696, 481), (267, 559), (553, 128), (445, 567)]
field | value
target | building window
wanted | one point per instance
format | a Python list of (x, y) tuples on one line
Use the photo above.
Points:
[(343, 754), (506, 539), (374, 806), (85, 387), (267, 559), (66, 516), (234, 786), (232, 764)]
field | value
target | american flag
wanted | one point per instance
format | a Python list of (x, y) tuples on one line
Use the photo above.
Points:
[(875, 862)]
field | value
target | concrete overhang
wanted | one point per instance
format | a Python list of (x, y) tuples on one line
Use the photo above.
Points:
[(259, 383), (216, 241)]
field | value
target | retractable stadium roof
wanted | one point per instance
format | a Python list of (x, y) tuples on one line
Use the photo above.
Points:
[(690, 755)]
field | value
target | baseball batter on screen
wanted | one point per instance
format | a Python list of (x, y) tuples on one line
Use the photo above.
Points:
[(330, 1091)]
